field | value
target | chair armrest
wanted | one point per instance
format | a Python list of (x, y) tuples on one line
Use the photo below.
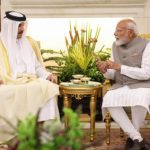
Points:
[(106, 87)]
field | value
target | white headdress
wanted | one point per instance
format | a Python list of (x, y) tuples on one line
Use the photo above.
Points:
[(9, 33)]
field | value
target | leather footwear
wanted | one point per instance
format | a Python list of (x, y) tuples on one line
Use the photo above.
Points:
[(129, 144)]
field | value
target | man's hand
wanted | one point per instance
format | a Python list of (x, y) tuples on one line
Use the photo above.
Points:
[(51, 78), (102, 66), (113, 65), (1, 82)]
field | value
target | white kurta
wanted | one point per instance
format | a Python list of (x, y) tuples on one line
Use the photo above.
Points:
[(125, 96)]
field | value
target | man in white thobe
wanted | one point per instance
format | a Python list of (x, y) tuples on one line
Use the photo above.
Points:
[(129, 67), (26, 86)]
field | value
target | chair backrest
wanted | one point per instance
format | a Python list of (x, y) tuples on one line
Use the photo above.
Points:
[(145, 36), (36, 48)]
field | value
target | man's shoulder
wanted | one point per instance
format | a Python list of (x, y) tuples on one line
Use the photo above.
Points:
[(144, 37)]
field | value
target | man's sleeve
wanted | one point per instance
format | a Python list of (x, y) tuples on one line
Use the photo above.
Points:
[(40, 70), (142, 73)]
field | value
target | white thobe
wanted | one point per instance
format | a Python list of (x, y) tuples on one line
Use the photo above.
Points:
[(25, 61), (22, 92)]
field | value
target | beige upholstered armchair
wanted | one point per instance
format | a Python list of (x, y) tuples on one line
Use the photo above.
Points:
[(108, 119)]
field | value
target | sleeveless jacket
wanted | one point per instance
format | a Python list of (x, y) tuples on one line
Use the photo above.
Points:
[(129, 55)]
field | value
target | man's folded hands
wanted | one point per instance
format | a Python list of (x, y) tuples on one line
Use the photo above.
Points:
[(104, 65)]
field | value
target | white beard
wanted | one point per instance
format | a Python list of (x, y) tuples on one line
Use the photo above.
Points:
[(123, 40), (119, 42)]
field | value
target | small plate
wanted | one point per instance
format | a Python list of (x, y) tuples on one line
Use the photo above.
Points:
[(85, 79), (65, 83), (77, 76), (94, 83), (75, 81)]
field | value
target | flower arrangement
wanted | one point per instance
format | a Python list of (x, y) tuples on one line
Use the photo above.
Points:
[(80, 57), (81, 47)]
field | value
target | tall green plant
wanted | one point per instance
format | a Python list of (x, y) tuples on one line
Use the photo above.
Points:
[(82, 45), (80, 57)]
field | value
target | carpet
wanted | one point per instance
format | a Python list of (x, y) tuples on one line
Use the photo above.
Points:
[(117, 142)]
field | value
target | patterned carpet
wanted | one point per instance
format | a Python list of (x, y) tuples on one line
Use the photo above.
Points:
[(117, 142)]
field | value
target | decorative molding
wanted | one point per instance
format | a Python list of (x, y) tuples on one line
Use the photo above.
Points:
[(65, 7), (73, 2), (81, 11), (78, 8), (34, 6), (138, 9)]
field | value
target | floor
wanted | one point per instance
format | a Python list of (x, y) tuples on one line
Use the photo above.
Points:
[(117, 142)]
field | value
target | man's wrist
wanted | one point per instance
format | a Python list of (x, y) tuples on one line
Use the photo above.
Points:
[(118, 67)]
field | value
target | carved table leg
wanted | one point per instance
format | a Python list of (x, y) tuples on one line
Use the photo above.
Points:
[(92, 116), (66, 105), (108, 125)]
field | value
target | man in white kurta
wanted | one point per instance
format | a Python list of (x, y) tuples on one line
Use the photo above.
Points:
[(26, 86), (130, 68)]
